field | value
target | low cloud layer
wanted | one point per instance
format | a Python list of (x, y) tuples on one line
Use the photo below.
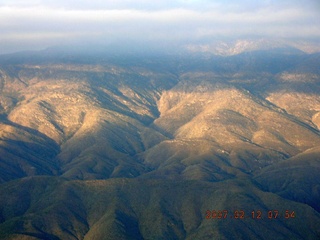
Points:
[(37, 24)]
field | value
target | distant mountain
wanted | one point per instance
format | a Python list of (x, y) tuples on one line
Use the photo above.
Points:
[(234, 47), (186, 146)]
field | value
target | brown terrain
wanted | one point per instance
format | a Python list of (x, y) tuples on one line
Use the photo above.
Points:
[(142, 149)]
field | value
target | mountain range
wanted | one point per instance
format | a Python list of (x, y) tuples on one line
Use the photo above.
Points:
[(160, 146)]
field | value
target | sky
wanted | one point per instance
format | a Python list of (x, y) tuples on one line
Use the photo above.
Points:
[(38, 24)]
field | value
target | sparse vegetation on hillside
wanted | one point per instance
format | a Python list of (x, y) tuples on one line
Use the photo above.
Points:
[(143, 148)]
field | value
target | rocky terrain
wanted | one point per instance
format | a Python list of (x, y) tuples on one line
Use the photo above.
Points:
[(132, 147)]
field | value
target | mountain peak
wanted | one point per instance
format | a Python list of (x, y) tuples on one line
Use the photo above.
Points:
[(234, 47)]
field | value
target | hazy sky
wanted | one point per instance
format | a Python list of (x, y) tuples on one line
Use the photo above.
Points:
[(37, 24)]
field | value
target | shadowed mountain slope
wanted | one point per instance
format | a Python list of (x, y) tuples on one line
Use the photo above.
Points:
[(296, 178), (135, 209)]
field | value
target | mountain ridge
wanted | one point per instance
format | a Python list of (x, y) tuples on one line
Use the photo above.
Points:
[(143, 149)]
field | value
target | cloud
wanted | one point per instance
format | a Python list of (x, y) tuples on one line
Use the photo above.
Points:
[(43, 23)]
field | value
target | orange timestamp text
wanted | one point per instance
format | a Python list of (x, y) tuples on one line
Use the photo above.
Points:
[(254, 214)]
